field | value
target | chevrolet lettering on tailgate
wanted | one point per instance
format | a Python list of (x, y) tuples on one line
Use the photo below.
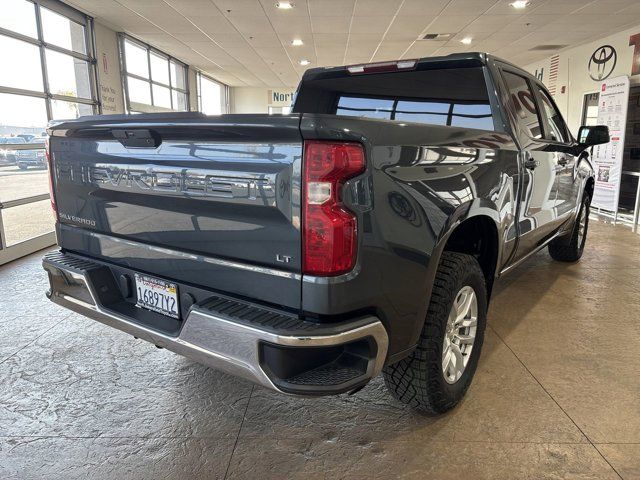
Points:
[(165, 180)]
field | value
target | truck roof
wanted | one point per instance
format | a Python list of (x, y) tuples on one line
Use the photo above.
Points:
[(467, 59)]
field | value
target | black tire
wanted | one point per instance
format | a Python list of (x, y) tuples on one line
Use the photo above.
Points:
[(571, 251), (418, 380), (22, 166)]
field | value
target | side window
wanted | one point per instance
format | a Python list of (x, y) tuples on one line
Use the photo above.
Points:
[(557, 126), (524, 103)]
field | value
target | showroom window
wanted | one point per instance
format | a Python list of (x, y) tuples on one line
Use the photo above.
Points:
[(212, 96), (153, 81), (590, 109), (48, 72)]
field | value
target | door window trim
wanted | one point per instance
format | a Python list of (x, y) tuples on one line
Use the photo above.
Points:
[(538, 92), (509, 104)]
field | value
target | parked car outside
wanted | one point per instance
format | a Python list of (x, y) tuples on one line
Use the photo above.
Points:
[(32, 158), (8, 156)]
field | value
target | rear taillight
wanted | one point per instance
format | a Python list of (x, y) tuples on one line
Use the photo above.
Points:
[(47, 154), (329, 245)]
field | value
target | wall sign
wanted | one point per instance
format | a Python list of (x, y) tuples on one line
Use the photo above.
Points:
[(280, 98), (602, 62), (607, 158)]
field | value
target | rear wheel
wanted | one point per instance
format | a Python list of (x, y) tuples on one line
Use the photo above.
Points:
[(572, 251), (435, 377), (22, 166)]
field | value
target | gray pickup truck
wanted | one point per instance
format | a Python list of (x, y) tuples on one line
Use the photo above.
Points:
[(309, 252)]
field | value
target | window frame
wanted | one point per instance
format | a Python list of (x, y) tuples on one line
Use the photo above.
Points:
[(224, 105), (74, 16), (519, 124), (540, 93), (122, 38)]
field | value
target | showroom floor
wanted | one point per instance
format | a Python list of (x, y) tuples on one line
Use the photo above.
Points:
[(556, 395)]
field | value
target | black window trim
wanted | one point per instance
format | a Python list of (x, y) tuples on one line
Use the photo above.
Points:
[(547, 136), (541, 119)]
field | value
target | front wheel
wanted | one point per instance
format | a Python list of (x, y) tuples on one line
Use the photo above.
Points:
[(572, 251), (435, 377)]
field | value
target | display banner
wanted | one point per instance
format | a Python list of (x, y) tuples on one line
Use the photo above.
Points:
[(607, 158)]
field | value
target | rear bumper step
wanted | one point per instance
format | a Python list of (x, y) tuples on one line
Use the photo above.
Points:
[(274, 349)]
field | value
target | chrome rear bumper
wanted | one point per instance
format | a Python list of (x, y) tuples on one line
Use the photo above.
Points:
[(356, 349)]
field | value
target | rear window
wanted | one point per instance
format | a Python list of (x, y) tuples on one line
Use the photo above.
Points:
[(455, 97)]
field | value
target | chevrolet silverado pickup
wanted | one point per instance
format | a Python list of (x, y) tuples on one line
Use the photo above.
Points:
[(361, 234)]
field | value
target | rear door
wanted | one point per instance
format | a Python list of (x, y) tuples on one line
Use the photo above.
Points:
[(537, 215)]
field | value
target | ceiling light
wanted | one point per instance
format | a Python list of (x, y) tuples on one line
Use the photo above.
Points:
[(285, 5), (304, 62), (520, 4), (466, 40), (296, 42)]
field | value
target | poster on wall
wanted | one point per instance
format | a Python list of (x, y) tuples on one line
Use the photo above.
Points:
[(607, 158)]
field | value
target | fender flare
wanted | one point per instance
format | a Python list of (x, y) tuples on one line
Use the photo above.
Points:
[(473, 209)]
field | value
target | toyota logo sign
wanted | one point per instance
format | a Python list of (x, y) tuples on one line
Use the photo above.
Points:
[(602, 62)]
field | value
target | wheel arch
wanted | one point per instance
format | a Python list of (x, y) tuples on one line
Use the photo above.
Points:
[(474, 229)]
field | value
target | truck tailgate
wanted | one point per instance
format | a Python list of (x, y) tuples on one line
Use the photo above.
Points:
[(206, 200)]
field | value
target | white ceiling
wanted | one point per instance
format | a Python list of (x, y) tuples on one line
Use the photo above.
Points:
[(248, 42)]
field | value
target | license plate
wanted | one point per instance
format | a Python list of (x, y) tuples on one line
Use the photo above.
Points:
[(157, 295)]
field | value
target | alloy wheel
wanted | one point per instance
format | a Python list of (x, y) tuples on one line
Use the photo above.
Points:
[(460, 334)]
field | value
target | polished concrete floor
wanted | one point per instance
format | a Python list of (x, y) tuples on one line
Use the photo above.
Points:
[(556, 394)]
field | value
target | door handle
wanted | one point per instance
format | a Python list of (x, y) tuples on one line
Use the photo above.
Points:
[(531, 163)]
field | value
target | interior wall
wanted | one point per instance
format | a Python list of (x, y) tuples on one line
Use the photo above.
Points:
[(572, 72), (109, 81)]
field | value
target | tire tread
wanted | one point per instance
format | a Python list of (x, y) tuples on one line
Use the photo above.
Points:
[(416, 380)]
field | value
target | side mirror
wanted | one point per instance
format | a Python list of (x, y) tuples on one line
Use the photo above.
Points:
[(593, 135)]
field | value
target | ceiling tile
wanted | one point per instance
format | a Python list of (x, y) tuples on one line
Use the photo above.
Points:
[(248, 42), (321, 8), (238, 7), (370, 24), (332, 24), (422, 7), (385, 8), (251, 24), (194, 8), (467, 7)]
